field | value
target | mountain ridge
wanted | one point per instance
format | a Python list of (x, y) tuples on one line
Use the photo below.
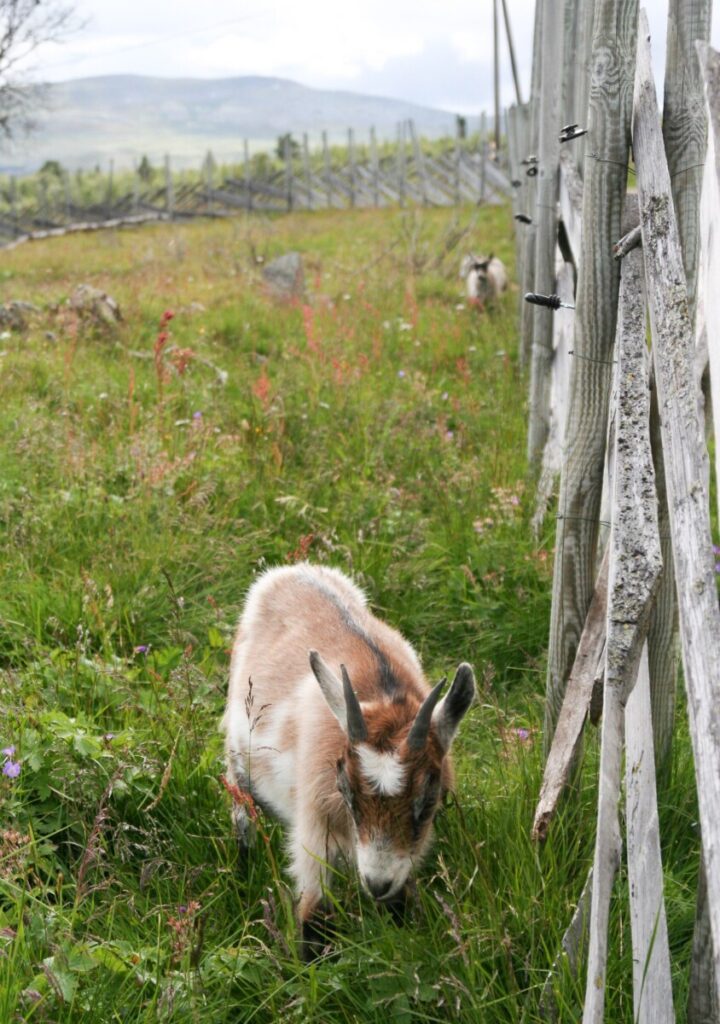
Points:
[(89, 121)]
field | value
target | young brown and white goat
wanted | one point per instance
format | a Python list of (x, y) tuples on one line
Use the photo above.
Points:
[(485, 278), (332, 728)]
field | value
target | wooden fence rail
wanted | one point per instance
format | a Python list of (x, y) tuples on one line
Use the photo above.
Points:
[(454, 174)]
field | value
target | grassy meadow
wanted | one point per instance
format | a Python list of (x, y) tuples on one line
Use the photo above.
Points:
[(147, 473)]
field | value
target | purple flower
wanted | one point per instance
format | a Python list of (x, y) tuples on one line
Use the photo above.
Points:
[(197, 415), (182, 909), (522, 734), (717, 567), (716, 549), (141, 649), (11, 769), (8, 751), (401, 373)]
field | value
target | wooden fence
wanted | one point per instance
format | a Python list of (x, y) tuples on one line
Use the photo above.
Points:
[(626, 429), (406, 173)]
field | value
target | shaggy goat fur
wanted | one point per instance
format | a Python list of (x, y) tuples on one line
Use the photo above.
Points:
[(332, 728)]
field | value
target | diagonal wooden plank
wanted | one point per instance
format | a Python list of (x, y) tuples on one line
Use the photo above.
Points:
[(568, 733)]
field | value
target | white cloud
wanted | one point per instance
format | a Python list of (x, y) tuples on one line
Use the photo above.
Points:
[(432, 53)]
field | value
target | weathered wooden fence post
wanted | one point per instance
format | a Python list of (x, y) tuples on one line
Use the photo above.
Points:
[(169, 191), (684, 131), (652, 984), (207, 178), (401, 162), (419, 164), (14, 207), (605, 181), (635, 567), (135, 192), (457, 163), (247, 178), (43, 204), (68, 196), (287, 157), (351, 165), (582, 75), (306, 168), (496, 77), (511, 51), (326, 164), (374, 168), (545, 218), (483, 156), (685, 124), (685, 458), (109, 196), (703, 1004), (528, 190)]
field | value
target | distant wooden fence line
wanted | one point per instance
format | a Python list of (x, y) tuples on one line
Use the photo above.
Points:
[(457, 173), (626, 434)]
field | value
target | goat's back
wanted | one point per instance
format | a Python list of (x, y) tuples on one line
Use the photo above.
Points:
[(276, 714)]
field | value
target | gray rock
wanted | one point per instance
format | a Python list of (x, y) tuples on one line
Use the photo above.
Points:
[(15, 314), (94, 304), (285, 277)]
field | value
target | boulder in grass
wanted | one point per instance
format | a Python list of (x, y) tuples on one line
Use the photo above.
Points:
[(95, 305), (285, 277), (14, 315)]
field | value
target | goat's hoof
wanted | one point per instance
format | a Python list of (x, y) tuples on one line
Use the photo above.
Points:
[(397, 907), (315, 938)]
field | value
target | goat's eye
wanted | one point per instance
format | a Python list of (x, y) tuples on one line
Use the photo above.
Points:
[(424, 804), (344, 788)]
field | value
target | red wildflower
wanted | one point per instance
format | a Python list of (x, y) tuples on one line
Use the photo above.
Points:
[(261, 388)]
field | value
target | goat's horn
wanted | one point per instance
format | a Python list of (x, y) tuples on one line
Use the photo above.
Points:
[(356, 727), (421, 726)]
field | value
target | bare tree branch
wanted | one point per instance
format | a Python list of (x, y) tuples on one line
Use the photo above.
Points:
[(24, 26)]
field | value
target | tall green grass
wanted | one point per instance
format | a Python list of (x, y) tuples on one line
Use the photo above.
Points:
[(377, 425)]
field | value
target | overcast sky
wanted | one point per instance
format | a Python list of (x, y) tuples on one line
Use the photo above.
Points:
[(437, 54)]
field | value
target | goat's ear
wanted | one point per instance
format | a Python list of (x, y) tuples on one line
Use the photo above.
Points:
[(332, 689), (454, 706)]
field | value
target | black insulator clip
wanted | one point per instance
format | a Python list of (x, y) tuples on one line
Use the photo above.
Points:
[(531, 163), (571, 131), (516, 183), (523, 218), (549, 301)]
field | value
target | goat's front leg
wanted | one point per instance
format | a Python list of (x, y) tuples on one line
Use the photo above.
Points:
[(309, 868), (238, 785)]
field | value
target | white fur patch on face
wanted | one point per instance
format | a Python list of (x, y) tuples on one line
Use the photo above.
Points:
[(385, 772)]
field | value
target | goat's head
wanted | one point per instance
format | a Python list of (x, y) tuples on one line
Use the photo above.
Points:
[(393, 771), (478, 264)]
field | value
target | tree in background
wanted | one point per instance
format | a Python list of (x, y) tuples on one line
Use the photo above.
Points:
[(145, 170), (24, 26), (284, 142), (52, 168)]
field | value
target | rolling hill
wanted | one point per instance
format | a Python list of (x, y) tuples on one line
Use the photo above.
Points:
[(88, 121)]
